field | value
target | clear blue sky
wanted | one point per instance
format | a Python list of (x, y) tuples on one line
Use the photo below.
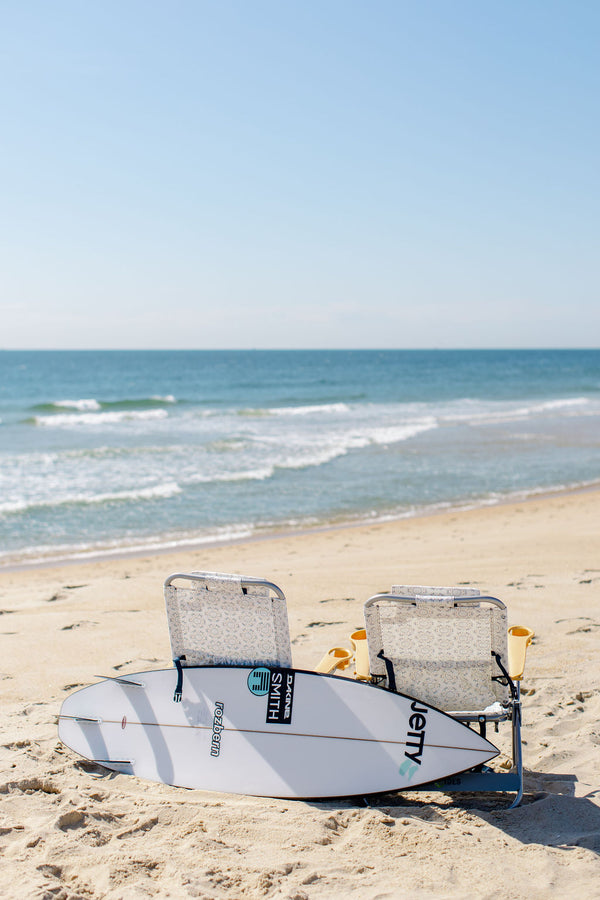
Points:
[(318, 173)]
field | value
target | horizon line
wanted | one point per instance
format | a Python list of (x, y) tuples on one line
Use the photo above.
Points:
[(458, 349)]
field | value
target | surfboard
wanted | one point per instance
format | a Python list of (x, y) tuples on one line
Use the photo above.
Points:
[(266, 732)]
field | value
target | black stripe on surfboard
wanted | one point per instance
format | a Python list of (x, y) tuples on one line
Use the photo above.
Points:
[(331, 737)]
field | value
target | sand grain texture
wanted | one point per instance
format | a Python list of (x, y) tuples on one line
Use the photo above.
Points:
[(66, 834)]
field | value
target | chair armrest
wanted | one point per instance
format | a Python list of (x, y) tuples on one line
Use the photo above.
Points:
[(336, 658), (519, 638), (358, 639)]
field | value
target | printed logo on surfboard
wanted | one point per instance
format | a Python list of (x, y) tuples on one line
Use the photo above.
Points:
[(259, 681), (217, 728), (278, 684), (415, 739)]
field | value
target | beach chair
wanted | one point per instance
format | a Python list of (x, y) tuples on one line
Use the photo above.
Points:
[(225, 620), (450, 648)]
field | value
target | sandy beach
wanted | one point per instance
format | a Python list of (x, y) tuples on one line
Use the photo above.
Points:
[(66, 833)]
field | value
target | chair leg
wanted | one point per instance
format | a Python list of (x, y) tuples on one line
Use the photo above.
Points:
[(517, 746)]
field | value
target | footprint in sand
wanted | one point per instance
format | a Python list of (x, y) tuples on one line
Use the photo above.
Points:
[(138, 662), (49, 869), (74, 818), (138, 829), (17, 745), (338, 600), (30, 786), (122, 665)]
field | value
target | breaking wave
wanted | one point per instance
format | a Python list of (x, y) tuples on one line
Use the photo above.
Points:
[(87, 404), (311, 409), (156, 492), (69, 420)]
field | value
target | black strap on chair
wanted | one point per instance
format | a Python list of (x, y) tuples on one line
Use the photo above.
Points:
[(505, 675), (390, 671), (179, 688)]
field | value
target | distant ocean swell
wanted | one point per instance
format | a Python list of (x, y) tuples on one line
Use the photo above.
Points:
[(97, 413), (42, 477), (174, 461), (93, 412), (90, 404), (255, 453)]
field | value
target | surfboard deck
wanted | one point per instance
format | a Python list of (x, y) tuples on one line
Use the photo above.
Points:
[(267, 732)]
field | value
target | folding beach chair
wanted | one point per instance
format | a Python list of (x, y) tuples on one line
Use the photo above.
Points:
[(226, 620), (450, 648)]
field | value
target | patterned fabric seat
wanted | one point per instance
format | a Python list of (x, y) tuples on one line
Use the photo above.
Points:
[(218, 619), (438, 645)]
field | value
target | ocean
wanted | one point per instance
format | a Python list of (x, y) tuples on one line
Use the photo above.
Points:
[(103, 451)]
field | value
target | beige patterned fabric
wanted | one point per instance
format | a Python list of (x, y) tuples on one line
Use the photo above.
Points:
[(419, 590), (217, 621), (440, 650)]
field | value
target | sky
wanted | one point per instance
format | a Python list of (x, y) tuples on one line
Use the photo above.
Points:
[(299, 173)]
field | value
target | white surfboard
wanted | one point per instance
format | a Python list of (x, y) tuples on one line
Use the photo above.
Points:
[(267, 732)]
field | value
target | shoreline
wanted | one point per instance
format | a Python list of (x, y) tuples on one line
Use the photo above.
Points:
[(208, 543)]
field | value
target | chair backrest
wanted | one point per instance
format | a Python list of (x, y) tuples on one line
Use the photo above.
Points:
[(218, 619), (437, 644)]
